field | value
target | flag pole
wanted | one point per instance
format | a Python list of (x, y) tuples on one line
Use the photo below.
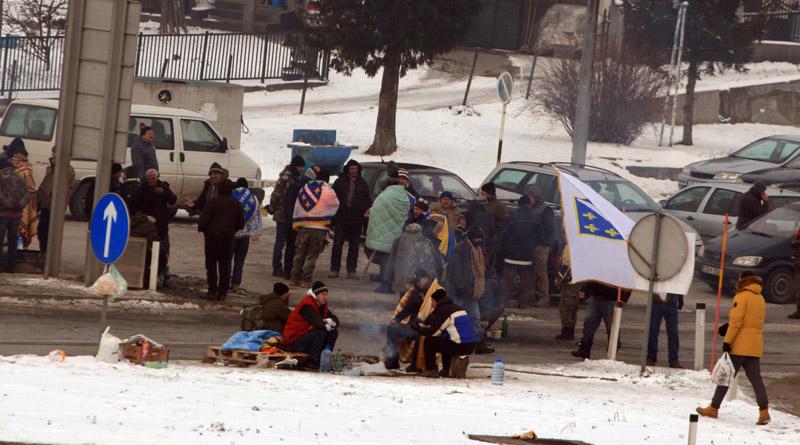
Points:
[(719, 291)]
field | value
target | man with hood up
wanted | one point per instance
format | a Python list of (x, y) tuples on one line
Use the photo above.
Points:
[(354, 201)]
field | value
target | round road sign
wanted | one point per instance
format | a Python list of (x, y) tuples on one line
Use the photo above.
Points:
[(673, 250), (505, 84)]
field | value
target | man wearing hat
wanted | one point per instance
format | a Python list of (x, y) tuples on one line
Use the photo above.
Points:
[(754, 203), (496, 208), (282, 214), (222, 217), (354, 201), (216, 175), (405, 180), (311, 326), (143, 152), (448, 331), (447, 207), (405, 314), (14, 197), (275, 308)]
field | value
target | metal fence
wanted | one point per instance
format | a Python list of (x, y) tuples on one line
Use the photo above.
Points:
[(780, 20), (35, 63)]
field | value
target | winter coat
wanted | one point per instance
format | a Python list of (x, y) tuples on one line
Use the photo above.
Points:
[(44, 195), (157, 205), (130, 192), (546, 222), (387, 217), (14, 192), (449, 321), (143, 156), (466, 272), (307, 316), (275, 313), (286, 180), (498, 210), (222, 217), (746, 319), (352, 214), (29, 220), (750, 208), (210, 191), (316, 204), (411, 251), (451, 213), (292, 192), (520, 237)]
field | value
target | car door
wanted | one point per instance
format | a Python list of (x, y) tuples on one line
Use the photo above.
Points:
[(164, 140), (200, 147), (685, 204), (711, 221), (508, 182)]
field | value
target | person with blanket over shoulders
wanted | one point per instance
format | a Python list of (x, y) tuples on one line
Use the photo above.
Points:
[(400, 337), (313, 212), (311, 326), (448, 331)]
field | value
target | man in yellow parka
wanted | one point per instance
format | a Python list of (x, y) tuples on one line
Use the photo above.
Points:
[(744, 341)]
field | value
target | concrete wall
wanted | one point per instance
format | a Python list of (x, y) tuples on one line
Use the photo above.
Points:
[(220, 103)]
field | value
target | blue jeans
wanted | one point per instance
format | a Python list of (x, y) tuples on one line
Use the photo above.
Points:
[(597, 310), (281, 233), (239, 247), (9, 229), (473, 312), (395, 333), (669, 312)]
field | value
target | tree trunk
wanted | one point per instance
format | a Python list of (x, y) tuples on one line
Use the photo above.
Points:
[(688, 105), (385, 142)]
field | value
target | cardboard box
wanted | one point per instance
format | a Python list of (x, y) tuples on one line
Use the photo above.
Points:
[(133, 353)]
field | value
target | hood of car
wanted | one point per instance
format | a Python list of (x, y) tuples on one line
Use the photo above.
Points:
[(741, 243), (729, 164), (777, 175)]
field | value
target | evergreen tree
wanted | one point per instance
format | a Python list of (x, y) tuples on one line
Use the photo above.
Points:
[(393, 35), (716, 39)]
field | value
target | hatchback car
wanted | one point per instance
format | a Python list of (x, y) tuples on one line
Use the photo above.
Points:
[(769, 152), (763, 247), (428, 181), (703, 206)]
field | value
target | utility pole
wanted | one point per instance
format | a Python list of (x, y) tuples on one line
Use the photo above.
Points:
[(580, 134)]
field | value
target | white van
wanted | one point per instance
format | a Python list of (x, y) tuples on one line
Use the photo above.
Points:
[(186, 146)]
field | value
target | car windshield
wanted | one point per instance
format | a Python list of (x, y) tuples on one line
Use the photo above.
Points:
[(779, 223), (624, 195), (775, 151), (432, 184)]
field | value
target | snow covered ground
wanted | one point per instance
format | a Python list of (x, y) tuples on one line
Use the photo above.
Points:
[(428, 132), (85, 401)]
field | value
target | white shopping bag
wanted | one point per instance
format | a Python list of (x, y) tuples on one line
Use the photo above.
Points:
[(722, 374)]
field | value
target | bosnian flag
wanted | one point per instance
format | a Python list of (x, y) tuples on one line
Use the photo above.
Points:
[(597, 234)]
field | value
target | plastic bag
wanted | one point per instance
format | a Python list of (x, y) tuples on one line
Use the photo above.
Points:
[(722, 374), (122, 285), (108, 351), (110, 284)]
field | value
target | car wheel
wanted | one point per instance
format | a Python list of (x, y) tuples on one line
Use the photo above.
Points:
[(779, 287), (77, 204)]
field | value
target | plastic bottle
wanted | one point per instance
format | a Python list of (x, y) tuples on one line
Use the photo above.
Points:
[(20, 243), (326, 360), (498, 371), (504, 327), (338, 361)]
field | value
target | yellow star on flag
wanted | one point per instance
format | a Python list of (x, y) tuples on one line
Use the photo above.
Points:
[(612, 232), (591, 227), (590, 216)]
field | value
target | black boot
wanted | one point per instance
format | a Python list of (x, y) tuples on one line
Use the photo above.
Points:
[(483, 348), (583, 350), (567, 333)]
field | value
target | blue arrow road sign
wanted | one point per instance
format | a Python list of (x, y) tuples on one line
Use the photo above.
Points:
[(109, 228)]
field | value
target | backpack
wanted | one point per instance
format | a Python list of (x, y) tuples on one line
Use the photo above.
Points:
[(252, 319), (13, 189)]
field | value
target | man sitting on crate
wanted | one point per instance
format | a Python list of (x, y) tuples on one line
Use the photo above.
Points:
[(311, 326)]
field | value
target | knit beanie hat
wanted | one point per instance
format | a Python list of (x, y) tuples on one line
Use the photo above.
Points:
[(280, 288), (318, 287), (422, 204), (216, 168)]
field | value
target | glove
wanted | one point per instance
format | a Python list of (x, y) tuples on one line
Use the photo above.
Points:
[(330, 322), (328, 327), (726, 347)]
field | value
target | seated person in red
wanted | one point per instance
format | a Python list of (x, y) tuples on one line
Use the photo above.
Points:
[(447, 330), (311, 326)]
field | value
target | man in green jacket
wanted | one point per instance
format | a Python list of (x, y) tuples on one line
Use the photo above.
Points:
[(386, 220)]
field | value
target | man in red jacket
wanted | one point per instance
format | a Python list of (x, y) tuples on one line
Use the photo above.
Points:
[(311, 326)]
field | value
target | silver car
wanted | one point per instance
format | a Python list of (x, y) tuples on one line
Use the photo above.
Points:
[(769, 152), (703, 206)]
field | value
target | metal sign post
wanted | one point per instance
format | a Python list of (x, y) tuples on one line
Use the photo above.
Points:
[(505, 85), (655, 258)]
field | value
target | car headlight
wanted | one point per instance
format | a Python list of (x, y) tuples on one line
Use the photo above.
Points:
[(728, 176), (686, 171), (749, 261)]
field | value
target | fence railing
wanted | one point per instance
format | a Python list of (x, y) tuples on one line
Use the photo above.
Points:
[(35, 63), (781, 22)]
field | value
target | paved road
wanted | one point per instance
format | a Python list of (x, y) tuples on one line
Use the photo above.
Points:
[(364, 314)]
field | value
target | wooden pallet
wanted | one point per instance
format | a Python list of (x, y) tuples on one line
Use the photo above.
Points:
[(238, 357)]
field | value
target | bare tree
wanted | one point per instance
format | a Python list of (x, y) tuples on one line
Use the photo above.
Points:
[(40, 21), (173, 17)]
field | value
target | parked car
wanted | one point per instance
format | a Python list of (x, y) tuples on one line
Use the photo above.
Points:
[(763, 247), (703, 206), (769, 152), (786, 176), (428, 181), (186, 145)]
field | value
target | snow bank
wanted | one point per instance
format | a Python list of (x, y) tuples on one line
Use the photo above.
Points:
[(85, 401)]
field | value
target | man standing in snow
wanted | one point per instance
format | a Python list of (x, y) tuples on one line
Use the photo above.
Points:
[(666, 309), (313, 213), (14, 196), (544, 240), (156, 200), (447, 207), (517, 248), (143, 152), (282, 214), (600, 307), (222, 217), (312, 326), (354, 201)]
